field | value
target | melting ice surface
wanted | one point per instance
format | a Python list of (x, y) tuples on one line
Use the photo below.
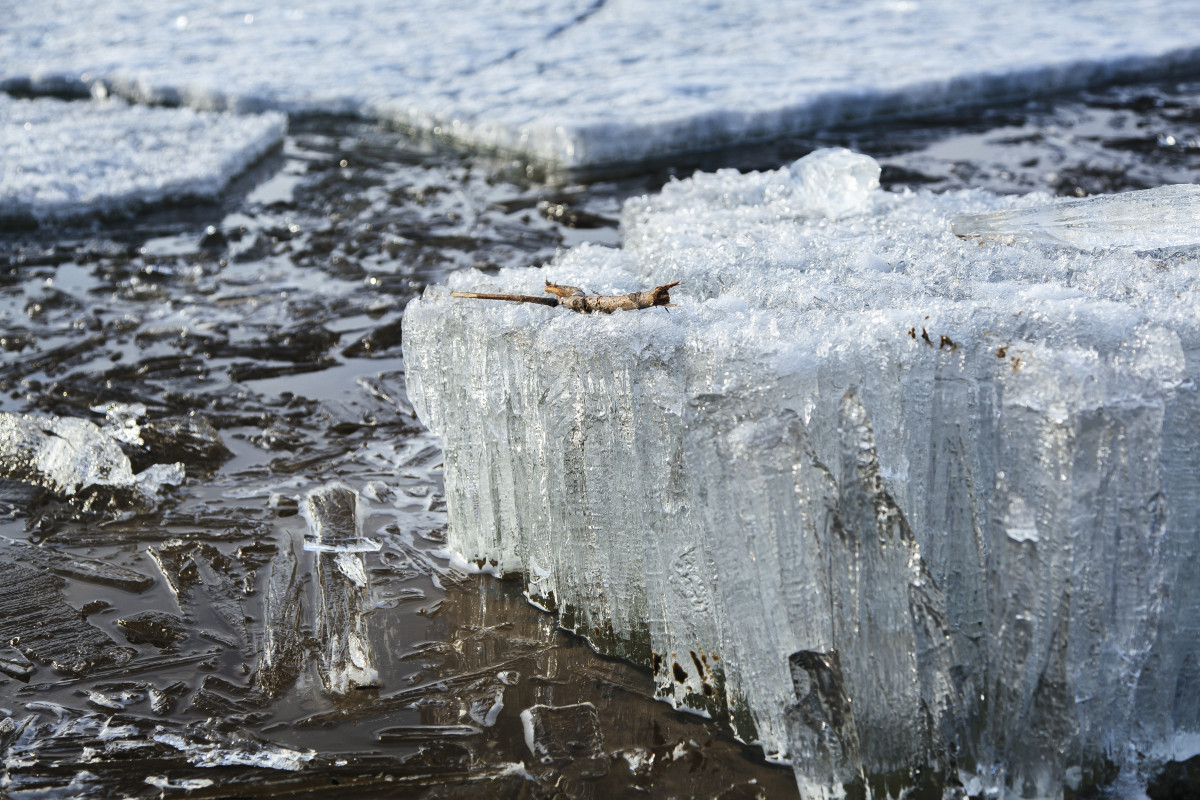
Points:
[(885, 498), (61, 160), (594, 82)]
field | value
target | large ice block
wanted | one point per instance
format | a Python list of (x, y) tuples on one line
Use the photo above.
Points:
[(905, 508), (585, 83)]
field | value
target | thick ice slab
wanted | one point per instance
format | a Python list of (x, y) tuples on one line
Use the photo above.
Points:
[(61, 160), (887, 498), (590, 82)]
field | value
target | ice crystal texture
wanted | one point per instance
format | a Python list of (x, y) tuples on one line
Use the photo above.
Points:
[(885, 497), (593, 82)]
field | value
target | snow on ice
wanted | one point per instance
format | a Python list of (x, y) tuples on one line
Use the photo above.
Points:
[(61, 160), (590, 82), (883, 496)]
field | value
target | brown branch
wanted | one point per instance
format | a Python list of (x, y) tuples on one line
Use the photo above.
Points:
[(575, 299), (515, 298)]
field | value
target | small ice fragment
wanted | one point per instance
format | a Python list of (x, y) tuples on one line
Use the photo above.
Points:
[(14, 664), (190, 439), (1168, 216), (335, 521), (102, 700), (153, 478), (60, 454), (204, 750), (1019, 522), (486, 709), (833, 183)]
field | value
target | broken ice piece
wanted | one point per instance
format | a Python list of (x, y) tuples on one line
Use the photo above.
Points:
[(335, 521), (74, 460), (72, 565), (1168, 216), (561, 735), (174, 560), (343, 593), (206, 749), (39, 623), (151, 480), (14, 664), (61, 454), (162, 701), (281, 654), (192, 440), (156, 627)]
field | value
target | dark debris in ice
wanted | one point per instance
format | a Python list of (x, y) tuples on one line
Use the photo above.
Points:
[(158, 628)]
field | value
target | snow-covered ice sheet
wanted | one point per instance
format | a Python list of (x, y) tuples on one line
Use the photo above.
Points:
[(886, 497), (61, 160), (595, 82)]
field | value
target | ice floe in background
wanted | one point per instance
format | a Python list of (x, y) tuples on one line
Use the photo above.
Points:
[(592, 83), (62, 160), (887, 498)]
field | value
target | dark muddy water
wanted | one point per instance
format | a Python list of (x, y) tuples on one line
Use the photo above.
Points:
[(276, 319)]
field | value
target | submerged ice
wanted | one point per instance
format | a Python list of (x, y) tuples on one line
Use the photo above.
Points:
[(902, 506)]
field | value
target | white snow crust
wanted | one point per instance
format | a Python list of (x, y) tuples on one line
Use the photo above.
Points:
[(595, 82), (61, 160), (883, 496)]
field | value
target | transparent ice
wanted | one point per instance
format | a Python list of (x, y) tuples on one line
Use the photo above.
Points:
[(885, 498), (347, 661), (1168, 216)]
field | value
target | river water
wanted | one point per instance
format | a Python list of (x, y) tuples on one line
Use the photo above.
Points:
[(276, 317)]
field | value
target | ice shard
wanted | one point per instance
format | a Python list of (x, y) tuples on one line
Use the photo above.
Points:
[(906, 508), (282, 650), (566, 735), (343, 601)]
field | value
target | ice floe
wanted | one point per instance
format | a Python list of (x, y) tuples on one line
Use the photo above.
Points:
[(590, 82), (64, 160)]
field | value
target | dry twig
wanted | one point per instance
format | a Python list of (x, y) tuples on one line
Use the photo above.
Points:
[(575, 299)]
